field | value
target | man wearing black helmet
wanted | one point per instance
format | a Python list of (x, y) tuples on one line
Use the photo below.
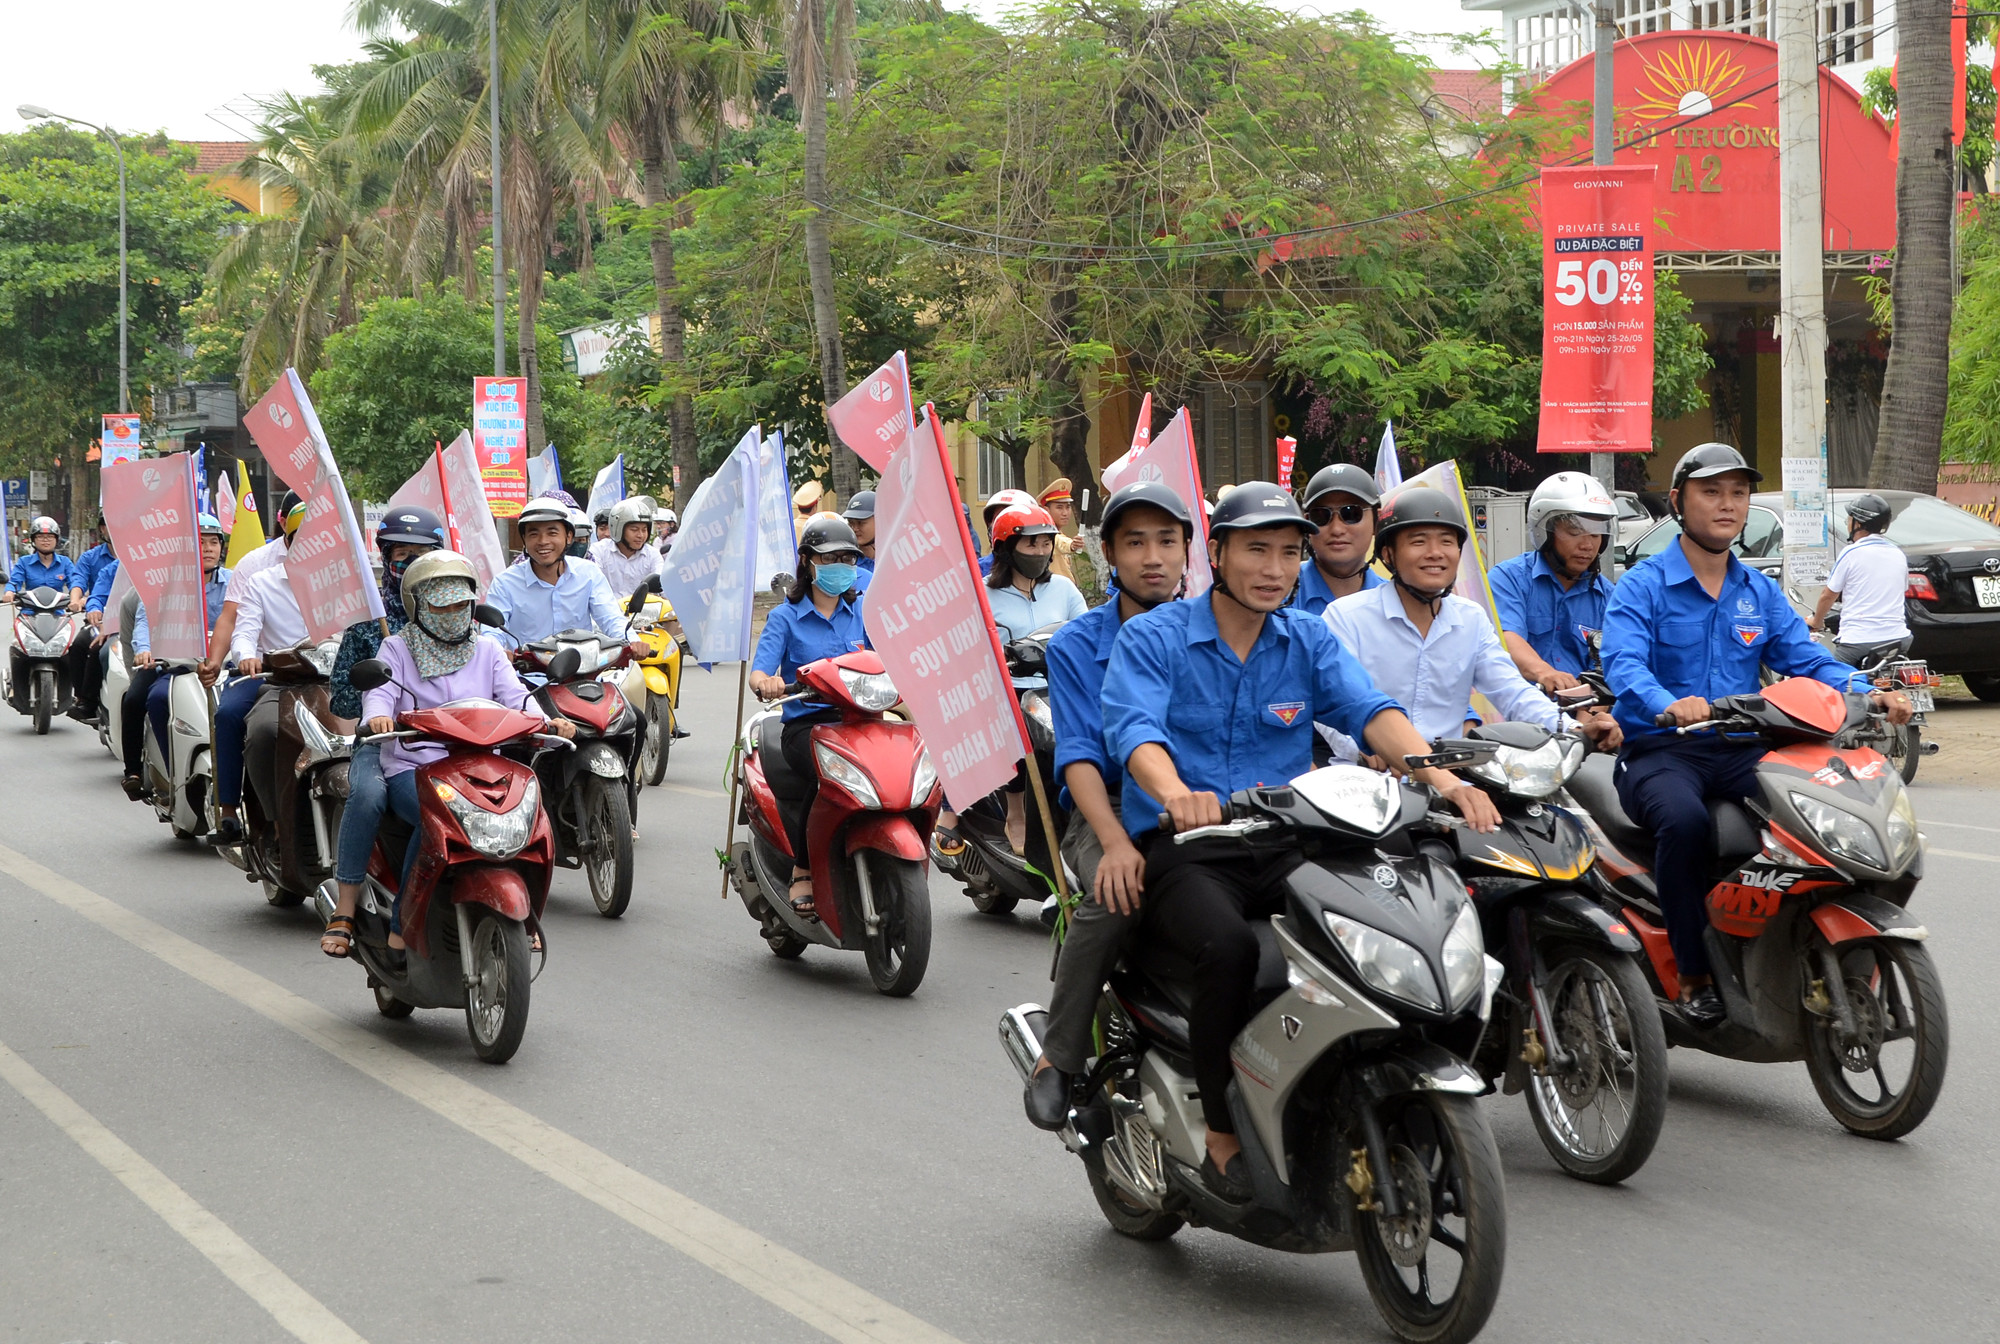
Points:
[(860, 515), (1868, 581), (1340, 501), (1146, 529), (1207, 697), (1685, 627)]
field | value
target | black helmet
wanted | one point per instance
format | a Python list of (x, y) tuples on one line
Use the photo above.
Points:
[(1418, 506), (1710, 459), (1870, 513), (827, 535), (1154, 494), (1344, 478), (859, 507), (1254, 505), (409, 527)]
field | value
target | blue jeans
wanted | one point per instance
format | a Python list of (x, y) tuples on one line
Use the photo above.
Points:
[(230, 713), (403, 797), (367, 800)]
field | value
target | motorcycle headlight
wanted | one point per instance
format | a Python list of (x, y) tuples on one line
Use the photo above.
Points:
[(320, 657), (847, 774), (1041, 722), (498, 835), (924, 778), (1902, 823), (1386, 964), (1844, 833), (872, 691), (1532, 774), (1464, 957)]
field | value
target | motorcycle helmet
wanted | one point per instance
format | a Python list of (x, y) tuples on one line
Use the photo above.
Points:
[(1023, 520), (1569, 494), (547, 509), (1002, 499), (1255, 505), (1153, 494), (409, 527), (827, 534), (45, 526), (859, 507), (1706, 460), (1342, 478), (637, 509), (430, 568), (1870, 513), (1418, 506), (208, 525), (293, 519)]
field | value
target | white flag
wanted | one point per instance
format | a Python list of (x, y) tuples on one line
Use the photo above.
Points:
[(711, 575), (1388, 471), (777, 537), (607, 489)]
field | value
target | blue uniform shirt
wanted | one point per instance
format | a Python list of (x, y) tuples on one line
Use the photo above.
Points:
[(60, 572), (94, 562), (985, 565), (1557, 622), (100, 587), (1666, 638), (1228, 724), (866, 564), (1077, 657), (796, 634), (1313, 595)]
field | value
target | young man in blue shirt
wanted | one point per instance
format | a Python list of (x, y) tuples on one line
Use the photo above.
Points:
[(42, 567), (1551, 599), (1146, 529), (1688, 626), (1341, 501), (99, 557), (1204, 698)]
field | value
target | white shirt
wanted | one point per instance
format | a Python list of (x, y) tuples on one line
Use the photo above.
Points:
[(624, 573), (1055, 602), (1869, 579), (1433, 676), (267, 615), (255, 563)]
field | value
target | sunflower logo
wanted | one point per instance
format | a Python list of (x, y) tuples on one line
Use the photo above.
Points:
[(1689, 79)]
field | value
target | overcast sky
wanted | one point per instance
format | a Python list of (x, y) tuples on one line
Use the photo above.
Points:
[(192, 67)]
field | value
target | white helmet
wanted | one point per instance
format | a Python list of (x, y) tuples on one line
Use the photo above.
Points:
[(637, 509), (45, 524), (1569, 494), (545, 509), (667, 519)]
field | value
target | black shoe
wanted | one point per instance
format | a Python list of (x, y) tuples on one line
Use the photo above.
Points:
[(680, 732), (1047, 1099), (229, 831), (1704, 1009), (1230, 1183), (135, 788), (82, 715)]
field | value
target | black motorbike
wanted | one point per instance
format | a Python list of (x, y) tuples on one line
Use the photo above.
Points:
[(38, 681)]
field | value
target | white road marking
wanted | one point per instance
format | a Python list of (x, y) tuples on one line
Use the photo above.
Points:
[(689, 788), (1958, 825), (302, 1315), (1958, 854), (816, 1296)]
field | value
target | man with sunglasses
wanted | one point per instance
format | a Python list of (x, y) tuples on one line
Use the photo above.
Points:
[(1341, 501)]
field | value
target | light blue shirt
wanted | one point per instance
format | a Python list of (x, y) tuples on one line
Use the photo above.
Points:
[(212, 591), (1056, 602), (579, 600), (1314, 595), (1433, 676)]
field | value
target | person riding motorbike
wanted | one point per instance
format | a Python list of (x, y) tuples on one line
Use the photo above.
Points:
[(552, 590), (996, 504), (94, 561), (146, 695), (269, 618), (1682, 628), (627, 556), (860, 515), (668, 526), (1341, 501), (601, 525), (1204, 698), (437, 657), (1424, 644), (1868, 581), (272, 552), (822, 620), (1551, 598), (44, 567), (1147, 530)]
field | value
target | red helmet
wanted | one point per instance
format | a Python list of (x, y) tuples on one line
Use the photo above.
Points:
[(1023, 520)]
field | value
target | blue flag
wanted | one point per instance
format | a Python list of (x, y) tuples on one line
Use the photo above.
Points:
[(711, 575)]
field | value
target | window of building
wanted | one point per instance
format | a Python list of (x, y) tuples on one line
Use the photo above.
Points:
[(1235, 442), (1847, 32), (996, 473), (1733, 16)]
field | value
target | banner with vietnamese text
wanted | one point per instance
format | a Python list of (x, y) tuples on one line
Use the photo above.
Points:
[(874, 418), (710, 576), (500, 441), (1597, 305), (149, 510), (1170, 460), (121, 439)]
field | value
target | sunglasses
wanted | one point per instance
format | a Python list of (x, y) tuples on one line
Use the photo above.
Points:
[(1347, 513)]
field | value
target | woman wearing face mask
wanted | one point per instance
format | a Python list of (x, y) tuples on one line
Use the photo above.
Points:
[(1025, 596), (437, 657), (823, 620)]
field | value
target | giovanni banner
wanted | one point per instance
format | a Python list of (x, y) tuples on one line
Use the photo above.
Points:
[(1597, 304)]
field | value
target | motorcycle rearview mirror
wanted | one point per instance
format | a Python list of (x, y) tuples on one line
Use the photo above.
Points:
[(489, 615), (1448, 753), (368, 674), (637, 602), (565, 665)]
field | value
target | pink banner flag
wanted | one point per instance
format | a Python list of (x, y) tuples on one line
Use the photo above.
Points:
[(874, 418), (1142, 434), (328, 560), (225, 503), (927, 615), (450, 486), (150, 512), (1170, 460)]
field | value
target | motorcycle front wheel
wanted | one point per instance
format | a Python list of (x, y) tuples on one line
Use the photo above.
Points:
[(1882, 1083), (1434, 1270), (1599, 1111), (45, 700), (900, 952), (496, 1002), (657, 744), (607, 845)]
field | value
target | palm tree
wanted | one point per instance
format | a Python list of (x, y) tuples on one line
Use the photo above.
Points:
[(819, 59)]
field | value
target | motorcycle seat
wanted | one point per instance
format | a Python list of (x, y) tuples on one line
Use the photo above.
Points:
[(1171, 972), (1594, 790), (786, 783)]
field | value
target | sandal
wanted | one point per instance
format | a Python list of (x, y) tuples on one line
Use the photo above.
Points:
[(341, 927), (802, 907), (947, 843), (135, 788)]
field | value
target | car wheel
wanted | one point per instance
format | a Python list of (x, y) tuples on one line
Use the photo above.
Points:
[(1984, 685)]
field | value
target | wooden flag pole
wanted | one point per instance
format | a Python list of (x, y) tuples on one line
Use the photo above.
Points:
[(1034, 771), (735, 774)]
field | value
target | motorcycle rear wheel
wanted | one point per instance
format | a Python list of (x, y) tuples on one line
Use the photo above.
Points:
[(496, 1002), (44, 695), (1894, 989), (1128, 1219), (607, 846), (1447, 1172), (900, 953), (387, 1004), (1904, 749), (1601, 1118), (657, 743)]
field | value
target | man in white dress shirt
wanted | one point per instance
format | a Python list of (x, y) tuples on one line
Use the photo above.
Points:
[(627, 556)]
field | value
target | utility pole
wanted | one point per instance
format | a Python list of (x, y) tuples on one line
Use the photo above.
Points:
[(493, 129), (1801, 298), (1602, 465)]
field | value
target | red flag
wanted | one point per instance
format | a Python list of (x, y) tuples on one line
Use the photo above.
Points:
[(1958, 20), (1288, 453), (928, 618), (874, 418), (149, 510), (1170, 459)]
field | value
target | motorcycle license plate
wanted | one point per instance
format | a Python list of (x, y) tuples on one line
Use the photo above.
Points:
[(1920, 697), (1986, 588)]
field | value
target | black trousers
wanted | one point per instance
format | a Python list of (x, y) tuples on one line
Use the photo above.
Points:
[(86, 669), (1200, 899), (796, 739), (1667, 789), (132, 718), (260, 749)]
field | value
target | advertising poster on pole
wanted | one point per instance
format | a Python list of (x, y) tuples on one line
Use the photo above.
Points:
[(121, 438), (149, 510), (1597, 304), (500, 442)]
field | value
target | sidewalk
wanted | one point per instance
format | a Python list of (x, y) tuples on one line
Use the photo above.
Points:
[(1967, 732)]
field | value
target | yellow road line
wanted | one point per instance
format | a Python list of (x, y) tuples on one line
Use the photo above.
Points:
[(302, 1315), (689, 788), (816, 1296)]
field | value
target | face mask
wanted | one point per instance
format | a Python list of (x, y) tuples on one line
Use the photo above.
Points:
[(450, 625), (833, 580), (1032, 566)]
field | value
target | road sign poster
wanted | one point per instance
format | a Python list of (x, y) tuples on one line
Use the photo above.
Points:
[(1597, 305)]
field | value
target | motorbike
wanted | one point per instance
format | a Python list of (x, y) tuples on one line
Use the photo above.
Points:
[(1357, 1113), (292, 851), (995, 877), (868, 833), (471, 915), (1574, 1022), (1903, 745), (653, 682), (179, 778), (591, 786), (1814, 953), (117, 655), (37, 677)]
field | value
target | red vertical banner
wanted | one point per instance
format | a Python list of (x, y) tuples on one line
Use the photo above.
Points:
[(500, 441), (149, 509), (1288, 453), (1597, 305), (1959, 17)]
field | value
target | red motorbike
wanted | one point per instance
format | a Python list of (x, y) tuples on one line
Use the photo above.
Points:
[(868, 834), (590, 790), (474, 903)]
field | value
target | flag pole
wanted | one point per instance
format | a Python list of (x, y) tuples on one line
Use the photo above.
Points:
[(735, 776), (750, 498)]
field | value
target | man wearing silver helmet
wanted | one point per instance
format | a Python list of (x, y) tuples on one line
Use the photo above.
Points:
[(627, 556), (1551, 598)]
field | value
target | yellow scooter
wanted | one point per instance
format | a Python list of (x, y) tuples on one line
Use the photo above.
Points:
[(653, 685)]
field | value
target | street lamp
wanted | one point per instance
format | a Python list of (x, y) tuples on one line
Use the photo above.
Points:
[(29, 112)]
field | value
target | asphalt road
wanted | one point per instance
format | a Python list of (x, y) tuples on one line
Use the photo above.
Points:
[(210, 1136)]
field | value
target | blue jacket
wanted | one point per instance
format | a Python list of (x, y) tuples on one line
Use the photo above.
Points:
[(1556, 621), (1077, 657), (1313, 596), (1665, 638), (100, 587), (796, 634), (93, 562), (1228, 724), (60, 572)]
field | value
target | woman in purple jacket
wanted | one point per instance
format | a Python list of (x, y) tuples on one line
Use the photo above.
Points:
[(437, 658)]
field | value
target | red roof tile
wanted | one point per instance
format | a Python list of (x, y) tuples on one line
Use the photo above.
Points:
[(1472, 94), (212, 156)]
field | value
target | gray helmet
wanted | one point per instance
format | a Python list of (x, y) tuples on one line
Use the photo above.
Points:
[(827, 535), (1418, 506), (1343, 478), (859, 507), (1710, 459), (1153, 494), (1255, 505), (1869, 512), (1569, 494), (637, 509)]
